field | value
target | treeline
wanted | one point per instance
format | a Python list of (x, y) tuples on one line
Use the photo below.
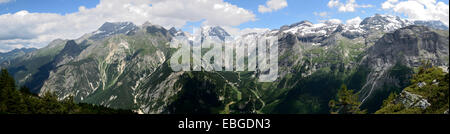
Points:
[(15, 100)]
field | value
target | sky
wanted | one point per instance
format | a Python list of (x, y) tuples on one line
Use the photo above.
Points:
[(35, 23)]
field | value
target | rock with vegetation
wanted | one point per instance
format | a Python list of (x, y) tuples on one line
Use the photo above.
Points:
[(425, 98), (410, 100)]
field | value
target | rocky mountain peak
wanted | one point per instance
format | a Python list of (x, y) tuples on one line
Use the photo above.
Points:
[(157, 29), (71, 48), (114, 26), (15, 53), (303, 23), (20, 50), (174, 32), (147, 23), (214, 31), (68, 53), (386, 23), (109, 28)]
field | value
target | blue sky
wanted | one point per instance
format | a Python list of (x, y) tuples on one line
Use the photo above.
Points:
[(298, 10), (46, 6), (34, 23)]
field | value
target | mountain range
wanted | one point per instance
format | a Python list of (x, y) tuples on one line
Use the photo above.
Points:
[(122, 65)]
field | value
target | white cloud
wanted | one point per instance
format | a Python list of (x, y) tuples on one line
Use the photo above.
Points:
[(321, 14), (388, 4), (272, 5), (349, 6), (420, 9), (332, 21), (5, 48), (38, 29), (354, 21), (4, 1)]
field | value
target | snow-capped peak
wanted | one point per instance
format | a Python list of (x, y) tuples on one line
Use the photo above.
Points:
[(306, 28), (109, 28), (386, 23), (214, 31)]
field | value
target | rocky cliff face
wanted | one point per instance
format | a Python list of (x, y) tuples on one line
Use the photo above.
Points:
[(409, 46), (109, 72)]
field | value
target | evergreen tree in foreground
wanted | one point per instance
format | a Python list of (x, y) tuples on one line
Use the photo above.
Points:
[(346, 103), (10, 98)]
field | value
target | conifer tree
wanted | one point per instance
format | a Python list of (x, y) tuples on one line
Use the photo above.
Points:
[(346, 103)]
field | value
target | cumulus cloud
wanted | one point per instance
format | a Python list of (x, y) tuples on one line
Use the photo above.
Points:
[(38, 29), (321, 14), (5, 48), (388, 4), (349, 6), (419, 9), (354, 21), (331, 21), (272, 5)]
